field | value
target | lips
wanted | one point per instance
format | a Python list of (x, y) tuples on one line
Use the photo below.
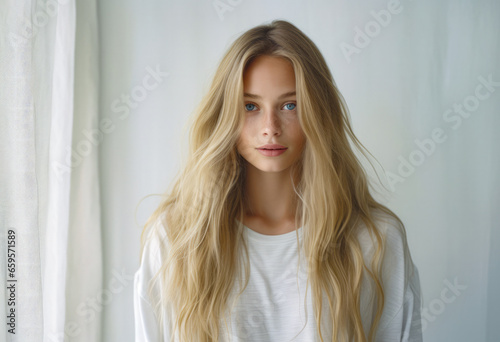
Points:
[(272, 152), (272, 147)]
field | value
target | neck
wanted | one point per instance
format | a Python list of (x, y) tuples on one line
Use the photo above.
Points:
[(270, 196)]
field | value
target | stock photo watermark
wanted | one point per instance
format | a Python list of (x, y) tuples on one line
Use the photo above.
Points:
[(364, 36), (11, 280), (437, 306), (93, 137), (454, 117), (89, 309), (38, 20), (223, 6)]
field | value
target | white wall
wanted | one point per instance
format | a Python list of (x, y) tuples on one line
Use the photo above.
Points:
[(401, 87)]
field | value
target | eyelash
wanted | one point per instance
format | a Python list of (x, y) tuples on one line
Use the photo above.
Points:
[(253, 104)]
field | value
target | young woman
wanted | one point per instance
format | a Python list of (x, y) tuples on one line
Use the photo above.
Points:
[(270, 232)]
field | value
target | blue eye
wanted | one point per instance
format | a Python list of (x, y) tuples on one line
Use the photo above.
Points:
[(249, 104)]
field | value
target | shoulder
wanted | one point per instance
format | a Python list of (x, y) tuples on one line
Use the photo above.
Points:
[(386, 224), (393, 233), (397, 263)]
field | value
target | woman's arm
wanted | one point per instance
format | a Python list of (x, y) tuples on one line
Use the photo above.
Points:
[(147, 325), (402, 286), (406, 323), (400, 320)]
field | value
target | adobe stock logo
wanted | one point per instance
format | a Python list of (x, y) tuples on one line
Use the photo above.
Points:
[(92, 137), (28, 27), (89, 309), (437, 306), (454, 117), (223, 6), (363, 37)]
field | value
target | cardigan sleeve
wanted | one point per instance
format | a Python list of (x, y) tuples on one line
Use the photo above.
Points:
[(406, 323), (402, 286), (147, 293), (146, 326), (400, 320)]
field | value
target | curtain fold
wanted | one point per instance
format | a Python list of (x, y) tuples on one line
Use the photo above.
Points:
[(86, 295), (55, 237), (49, 198)]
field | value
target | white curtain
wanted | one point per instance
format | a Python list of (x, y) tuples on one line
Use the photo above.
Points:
[(49, 199)]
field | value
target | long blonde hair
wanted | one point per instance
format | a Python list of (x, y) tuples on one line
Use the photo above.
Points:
[(198, 213)]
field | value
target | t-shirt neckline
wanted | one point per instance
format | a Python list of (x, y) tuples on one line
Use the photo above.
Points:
[(264, 238)]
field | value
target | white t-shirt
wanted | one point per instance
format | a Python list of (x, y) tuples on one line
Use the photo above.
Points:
[(272, 308)]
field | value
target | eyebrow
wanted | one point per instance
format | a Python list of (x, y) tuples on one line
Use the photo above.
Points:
[(282, 96)]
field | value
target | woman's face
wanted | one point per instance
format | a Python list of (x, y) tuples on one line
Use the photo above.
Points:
[(270, 115)]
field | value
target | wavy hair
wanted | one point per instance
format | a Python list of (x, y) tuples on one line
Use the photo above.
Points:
[(204, 243)]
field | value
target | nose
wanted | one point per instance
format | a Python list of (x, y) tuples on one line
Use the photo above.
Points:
[(271, 125)]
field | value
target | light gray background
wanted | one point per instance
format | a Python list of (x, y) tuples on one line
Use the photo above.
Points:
[(426, 59)]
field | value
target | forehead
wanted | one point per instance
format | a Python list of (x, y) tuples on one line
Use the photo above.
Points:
[(266, 74)]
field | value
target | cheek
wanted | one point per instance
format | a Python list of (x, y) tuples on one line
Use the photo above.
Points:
[(246, 132), (297, 131), (242, 140), (301, 142)]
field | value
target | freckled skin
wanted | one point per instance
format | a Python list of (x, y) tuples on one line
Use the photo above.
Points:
[(269, 119)]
